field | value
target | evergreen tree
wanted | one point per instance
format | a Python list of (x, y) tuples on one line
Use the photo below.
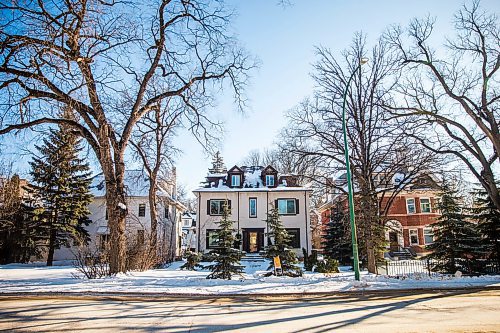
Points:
[(19, 237), (454, 236), (225, 256), (488, 222), (279, 241), (337, 242), (60, 190)]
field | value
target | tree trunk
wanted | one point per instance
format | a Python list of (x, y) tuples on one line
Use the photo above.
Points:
[(153, 242), (52, 241), (115, 203), (370, 252)]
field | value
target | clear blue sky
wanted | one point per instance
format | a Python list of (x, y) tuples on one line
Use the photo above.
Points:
[(284, 39)]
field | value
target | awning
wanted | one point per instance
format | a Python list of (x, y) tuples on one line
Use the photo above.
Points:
[(102, 231)]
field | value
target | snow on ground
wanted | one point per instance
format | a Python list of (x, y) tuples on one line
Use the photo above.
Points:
[(35, 278)]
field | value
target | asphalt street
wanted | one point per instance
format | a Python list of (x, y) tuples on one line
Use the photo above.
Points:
[(397, 311)]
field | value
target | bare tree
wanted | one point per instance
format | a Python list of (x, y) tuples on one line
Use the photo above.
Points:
[(379, 149), (112, 62), (454, 99), (152, 142)]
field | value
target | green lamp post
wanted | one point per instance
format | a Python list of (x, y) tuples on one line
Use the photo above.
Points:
[(349, 179)]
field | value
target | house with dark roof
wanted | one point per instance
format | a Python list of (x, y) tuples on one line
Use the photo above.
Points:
[(251, 192)]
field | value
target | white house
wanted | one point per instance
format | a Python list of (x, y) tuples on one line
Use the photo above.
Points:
[(251, 192), (189, 231), (138, 222)]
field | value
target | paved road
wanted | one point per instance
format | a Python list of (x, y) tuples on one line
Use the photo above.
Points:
[(445, 311)]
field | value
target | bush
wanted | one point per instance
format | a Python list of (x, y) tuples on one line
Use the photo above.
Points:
[(192, 261), (92, 262), (327, 265), (141, 255), (207, 257), (310, 260)]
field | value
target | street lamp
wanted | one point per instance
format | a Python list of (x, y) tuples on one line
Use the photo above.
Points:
[(352, 217)]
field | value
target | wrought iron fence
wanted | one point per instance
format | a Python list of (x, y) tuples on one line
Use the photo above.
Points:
[(435, 267)]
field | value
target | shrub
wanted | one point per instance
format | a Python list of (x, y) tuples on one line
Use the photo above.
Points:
[(92, 262), (327, 265), (310, 260), (192, 261)]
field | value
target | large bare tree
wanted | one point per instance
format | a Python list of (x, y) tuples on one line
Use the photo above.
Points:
[(112, 62), (453, 95), (379, 149)]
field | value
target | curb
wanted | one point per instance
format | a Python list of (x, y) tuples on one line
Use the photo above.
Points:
[(172, 296)]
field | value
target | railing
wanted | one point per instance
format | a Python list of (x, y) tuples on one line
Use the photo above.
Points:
[(435, 267)]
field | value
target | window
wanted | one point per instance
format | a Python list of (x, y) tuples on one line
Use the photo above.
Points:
[(140, 237), (235, 180), (428, 236), (269, 180), (142, 210), (425, 205), (252, 206), (103, 242), (288, 206), (167, 212), (212, 238), (216, 207), (294, 237), (413, 237), (106, 217), (410, 206), (187, 222)]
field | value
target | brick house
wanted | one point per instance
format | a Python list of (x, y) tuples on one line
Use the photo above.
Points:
[(408, 222)]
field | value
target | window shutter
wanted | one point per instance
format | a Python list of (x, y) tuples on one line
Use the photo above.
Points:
[(276, 204), (229, 204), (208, 207), (296, 206)]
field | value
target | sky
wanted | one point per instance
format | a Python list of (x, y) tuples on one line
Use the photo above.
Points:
[(284, 39)]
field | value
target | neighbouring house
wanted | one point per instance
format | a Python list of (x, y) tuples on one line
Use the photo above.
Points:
[(251, 192), (138, 222), (408, 223), (188, 225)]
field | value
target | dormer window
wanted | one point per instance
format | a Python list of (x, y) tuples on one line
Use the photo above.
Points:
[(235, 180), (269, 180)]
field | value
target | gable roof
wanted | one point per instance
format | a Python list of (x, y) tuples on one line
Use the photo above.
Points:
[(269, 169), (235, 168), (136, 185)]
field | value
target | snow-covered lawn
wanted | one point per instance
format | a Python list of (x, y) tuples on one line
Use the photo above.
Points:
[(171, 280)]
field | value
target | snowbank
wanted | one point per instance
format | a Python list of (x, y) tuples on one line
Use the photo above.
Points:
[(172, 280)]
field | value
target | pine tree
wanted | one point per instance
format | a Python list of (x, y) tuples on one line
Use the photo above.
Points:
[(60, 190), (19, 238), (488, 223), (337, 242), (454, 237), (225, 256), (279, 241)]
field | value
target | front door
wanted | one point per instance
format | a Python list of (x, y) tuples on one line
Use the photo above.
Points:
[(393, 241), (253, 240)]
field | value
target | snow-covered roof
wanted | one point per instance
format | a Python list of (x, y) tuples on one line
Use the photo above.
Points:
[(252, 182), (136, 185), (225, 188)]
